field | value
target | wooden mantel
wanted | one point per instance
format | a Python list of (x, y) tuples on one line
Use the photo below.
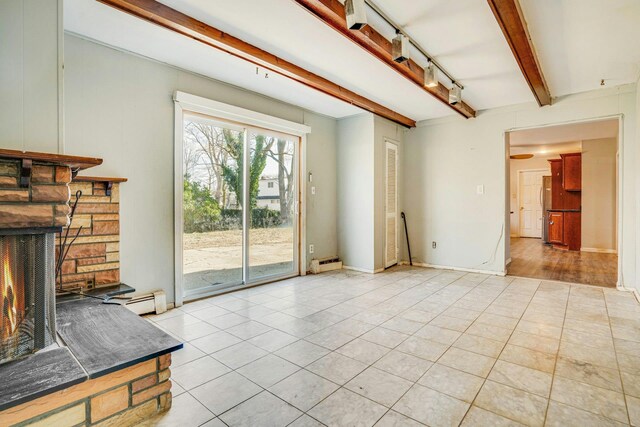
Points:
[(76, 163), (82, 178)]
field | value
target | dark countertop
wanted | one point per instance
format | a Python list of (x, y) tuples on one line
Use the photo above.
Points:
[(563, 210), (42, 373), (100, 339), (107, 337)]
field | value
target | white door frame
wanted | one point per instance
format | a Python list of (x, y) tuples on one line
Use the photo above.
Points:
[(184, 102), (620, 181), (390, 143), (518, 196)]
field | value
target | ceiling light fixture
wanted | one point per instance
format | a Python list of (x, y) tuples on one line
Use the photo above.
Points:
[(455, 94), (431, 75), (356, 14), (400, 47), (409, 40)]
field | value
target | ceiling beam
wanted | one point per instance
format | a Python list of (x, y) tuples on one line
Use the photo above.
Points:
[(514, 27), (166, 17), (332, 13)]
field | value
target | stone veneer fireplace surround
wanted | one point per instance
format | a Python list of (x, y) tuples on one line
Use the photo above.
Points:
[(99, 363)]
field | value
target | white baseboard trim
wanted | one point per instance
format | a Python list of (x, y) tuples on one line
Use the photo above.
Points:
[(448, 267), (362, 270), (634, 291), (599, 250)]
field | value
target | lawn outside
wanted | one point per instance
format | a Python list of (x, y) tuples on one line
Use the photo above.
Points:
[(216, 256)]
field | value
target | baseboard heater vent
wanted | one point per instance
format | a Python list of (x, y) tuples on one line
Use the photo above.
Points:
[(148, 303), (325, 264)]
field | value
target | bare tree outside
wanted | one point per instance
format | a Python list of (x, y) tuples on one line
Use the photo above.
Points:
[(213, 190)]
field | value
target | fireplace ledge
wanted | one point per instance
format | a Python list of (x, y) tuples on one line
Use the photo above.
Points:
[(40, 374), (100, 339), (76, 163), (106, 337)]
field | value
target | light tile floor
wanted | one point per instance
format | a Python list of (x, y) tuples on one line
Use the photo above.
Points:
[(407, 347)]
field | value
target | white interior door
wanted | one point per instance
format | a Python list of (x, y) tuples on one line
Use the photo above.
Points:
[(530, 196), (391, 205)]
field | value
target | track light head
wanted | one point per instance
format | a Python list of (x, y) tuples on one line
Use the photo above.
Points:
[(431, 75), (400, 48), (455, 94), (356, 14)]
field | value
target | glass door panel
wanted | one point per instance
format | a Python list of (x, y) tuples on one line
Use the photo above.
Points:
[(212, 205), (273, 231)]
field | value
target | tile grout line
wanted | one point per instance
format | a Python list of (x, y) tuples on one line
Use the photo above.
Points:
[(615, 352), (555, 365)]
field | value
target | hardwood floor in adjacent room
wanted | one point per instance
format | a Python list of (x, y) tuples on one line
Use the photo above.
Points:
[(532, 258)]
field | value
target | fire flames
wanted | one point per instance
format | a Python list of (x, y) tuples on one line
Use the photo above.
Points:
[(9, 310)]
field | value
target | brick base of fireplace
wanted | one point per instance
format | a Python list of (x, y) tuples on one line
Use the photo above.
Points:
[(123, 398)]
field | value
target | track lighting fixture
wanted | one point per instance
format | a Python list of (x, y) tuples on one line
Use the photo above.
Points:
[(356, 14), (431, 75), (400, 47), (455, 94)]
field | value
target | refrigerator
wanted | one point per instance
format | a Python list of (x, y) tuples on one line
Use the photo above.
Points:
[(546, 205)]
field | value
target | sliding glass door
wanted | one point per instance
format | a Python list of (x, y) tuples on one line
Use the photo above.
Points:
[(273, 230), (239, 206)]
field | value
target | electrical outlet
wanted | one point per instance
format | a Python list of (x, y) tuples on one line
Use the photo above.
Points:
[(313, 190), (433, 245), (312, 249)]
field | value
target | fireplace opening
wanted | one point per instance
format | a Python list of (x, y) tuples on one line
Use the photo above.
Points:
[(27, 291)]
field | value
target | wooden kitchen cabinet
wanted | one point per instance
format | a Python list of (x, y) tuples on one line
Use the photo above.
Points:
[(565, 230), (557, 193), (556, 227), (572, 171), (572, 230), (560, 198)]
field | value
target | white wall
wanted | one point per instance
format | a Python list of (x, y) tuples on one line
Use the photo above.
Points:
[(355, 173), (515, 167), (599, 194), (119, 107), (445, 159), (29, 71)]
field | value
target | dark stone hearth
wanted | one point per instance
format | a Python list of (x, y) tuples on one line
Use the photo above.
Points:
[(106, 338), (38, 375)]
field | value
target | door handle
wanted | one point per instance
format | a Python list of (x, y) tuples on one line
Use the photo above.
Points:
[(540, 196)]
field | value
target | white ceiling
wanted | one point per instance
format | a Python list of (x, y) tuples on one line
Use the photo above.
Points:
[(462, 35), (560, 134), (548, 151), (580, 42), (547, 142)]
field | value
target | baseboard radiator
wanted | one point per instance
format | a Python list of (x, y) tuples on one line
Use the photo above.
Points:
[(155, 302), (325, 264)]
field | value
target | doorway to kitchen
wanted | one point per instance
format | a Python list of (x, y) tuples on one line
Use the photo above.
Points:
[(563, 189)]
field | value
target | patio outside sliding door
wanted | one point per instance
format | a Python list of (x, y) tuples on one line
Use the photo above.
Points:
[(240, 217)]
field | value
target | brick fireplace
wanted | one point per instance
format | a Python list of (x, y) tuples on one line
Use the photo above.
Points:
[(34, 206), (55, 370)]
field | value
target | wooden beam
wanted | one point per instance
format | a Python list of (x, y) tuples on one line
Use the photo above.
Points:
[(166, 17), (514, 27), (332, 13)]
